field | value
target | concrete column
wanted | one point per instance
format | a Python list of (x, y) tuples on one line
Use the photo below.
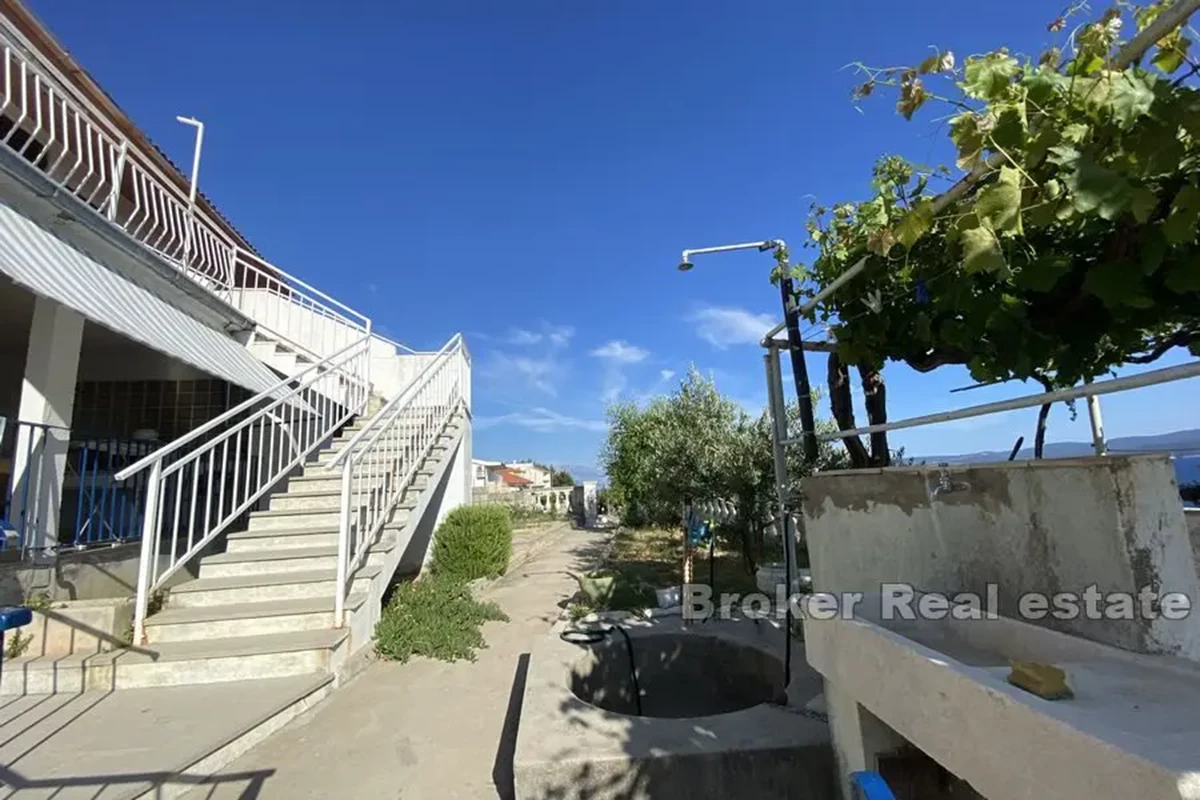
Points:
[(859, 737), (47, 399)]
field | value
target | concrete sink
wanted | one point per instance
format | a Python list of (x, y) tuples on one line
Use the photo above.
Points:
[(1132, 729)]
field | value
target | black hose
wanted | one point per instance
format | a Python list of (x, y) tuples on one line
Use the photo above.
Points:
[(712, 580), (788, 555), (599, 634)]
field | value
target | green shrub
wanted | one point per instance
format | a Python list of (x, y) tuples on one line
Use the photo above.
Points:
[(473, 542), (435, 617)]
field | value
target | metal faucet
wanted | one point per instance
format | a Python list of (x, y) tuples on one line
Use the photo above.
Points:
[(944, 484)]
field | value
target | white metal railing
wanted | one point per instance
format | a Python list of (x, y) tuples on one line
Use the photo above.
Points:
[(205, 481), (379, 464), (53, 126)]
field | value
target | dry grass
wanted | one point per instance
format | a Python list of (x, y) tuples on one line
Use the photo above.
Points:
[(645, 559)]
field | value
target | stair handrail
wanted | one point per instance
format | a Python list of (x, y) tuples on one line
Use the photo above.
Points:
[(401, 398), (195, 433), (377, 471), (236, 463)]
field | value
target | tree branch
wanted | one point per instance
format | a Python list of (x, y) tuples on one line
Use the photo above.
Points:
[(1178, 339)]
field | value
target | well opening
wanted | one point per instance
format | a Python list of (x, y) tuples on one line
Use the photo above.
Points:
[(679, 675)]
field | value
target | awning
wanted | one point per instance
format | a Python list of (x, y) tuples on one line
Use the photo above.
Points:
[(45, 264)]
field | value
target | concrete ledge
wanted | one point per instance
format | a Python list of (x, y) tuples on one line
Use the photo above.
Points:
[(567, 748), (1132, 729)]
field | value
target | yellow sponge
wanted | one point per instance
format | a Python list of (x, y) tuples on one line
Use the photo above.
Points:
[(1045, 680)]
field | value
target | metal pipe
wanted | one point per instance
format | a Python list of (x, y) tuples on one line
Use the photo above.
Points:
[(199, 145), (766, 244), (1097, 422), (778, 412), (1151, 378), (808, 347), (837, 282)]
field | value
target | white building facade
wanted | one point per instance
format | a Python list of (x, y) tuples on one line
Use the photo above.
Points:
[(158, 377)]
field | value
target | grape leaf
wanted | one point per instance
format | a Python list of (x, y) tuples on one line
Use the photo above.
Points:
[(999, 205), (1117, 283), (967, 134), (1129, 98), (988, 77), (1142, 203), (1041, 275), (1095, 187), (1180, 226), (1172, 51), (1183, 278), (981, 251), (914, 224)]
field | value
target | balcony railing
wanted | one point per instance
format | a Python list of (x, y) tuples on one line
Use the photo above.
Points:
[(91, 508), (55, 128)]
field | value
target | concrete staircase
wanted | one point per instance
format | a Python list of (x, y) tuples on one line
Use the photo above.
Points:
[(264, 607)]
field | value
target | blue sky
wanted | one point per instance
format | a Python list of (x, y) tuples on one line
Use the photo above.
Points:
[(528, 171)]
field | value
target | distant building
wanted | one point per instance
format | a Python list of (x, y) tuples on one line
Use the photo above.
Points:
[(480, 469), (497, 476), (507, 479), (537, 475)]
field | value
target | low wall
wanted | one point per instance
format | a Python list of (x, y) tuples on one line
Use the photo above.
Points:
[(104, 572), (1039, 526), (82, 626), (1192, 517)]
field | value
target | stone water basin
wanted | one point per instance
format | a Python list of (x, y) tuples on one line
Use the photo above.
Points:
[(709, 727), (1131, 731)]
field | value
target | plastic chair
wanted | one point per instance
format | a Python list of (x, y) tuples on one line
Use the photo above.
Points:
[(869, 786)]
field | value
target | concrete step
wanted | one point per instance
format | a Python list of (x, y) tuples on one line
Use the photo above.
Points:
[(245, 619), (273, 539), (401, 434), (328, 498), (295, 518), (319, 480), (398, 430), (239, 658), (264, 588), (246, 541), (290, 559)]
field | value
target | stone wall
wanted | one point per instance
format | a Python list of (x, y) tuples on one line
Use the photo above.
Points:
[(1037, 526)]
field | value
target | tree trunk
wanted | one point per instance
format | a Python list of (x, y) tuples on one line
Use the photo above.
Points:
[(875, 394), (1039, 441), (843, 411)]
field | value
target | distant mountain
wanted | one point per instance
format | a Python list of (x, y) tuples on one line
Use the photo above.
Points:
[(581, 472), (1179, 443), (1184, 445)]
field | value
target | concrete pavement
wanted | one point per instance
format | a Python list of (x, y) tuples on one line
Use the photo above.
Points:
[(425, 729)]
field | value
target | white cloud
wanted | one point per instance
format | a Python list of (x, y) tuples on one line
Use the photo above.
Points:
[(522, 337), (555, 336), (621, 352), (667, 374), (541, 420), (544, 374), (722, 327), (559, 335)]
